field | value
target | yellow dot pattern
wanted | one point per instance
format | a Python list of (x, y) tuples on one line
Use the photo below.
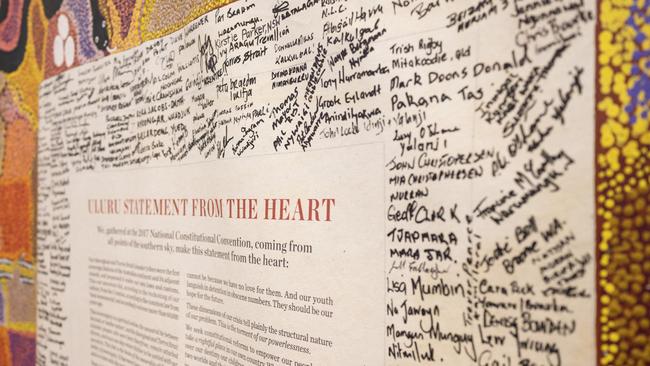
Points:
[(622, 188)]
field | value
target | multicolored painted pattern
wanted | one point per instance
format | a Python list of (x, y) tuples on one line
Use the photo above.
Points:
[(40, 38)]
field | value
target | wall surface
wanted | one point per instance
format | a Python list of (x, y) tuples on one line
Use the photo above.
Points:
[(40, 38)]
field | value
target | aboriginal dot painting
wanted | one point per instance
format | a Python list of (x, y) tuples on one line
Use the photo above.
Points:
[(41, 38)]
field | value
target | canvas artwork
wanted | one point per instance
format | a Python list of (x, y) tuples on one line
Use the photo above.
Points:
[(325, 182)]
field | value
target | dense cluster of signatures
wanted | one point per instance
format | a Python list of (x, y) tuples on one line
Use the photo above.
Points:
[(485, 266)]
